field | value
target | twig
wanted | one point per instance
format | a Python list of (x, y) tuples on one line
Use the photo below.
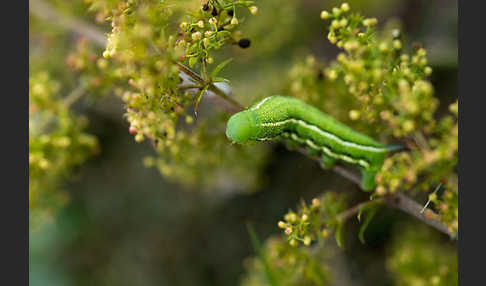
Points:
[(404, 203), (408, 205), (354, 210), (45, 11), (75, 94), (353, 177)]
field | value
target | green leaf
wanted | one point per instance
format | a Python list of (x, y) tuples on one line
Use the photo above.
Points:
[(370, 214), (220, 79), (361, 211), (219, 67), (271, 278), (199, 97), (340, 234), (367, 206), (192, 61)]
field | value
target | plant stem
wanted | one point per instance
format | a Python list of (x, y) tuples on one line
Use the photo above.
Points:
[(75, 95), (46, 12)]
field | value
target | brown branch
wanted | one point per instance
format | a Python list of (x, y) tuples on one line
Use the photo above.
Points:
[(404, 203)]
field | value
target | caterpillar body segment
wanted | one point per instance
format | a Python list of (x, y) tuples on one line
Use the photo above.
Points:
[(277, 117)]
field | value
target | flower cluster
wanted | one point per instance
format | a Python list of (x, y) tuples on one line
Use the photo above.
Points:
[(314, 222), (211, 28), (447, 208), (431, 161), (389, 84), (57, 144)]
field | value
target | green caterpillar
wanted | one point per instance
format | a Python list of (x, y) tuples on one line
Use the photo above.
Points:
[(284, 117)]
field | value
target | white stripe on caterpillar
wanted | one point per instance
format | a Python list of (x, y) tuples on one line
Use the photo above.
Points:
[(260, 103), (326, 134), (327, 151)]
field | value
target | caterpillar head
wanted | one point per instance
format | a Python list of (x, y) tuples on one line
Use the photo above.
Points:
[(242, 127)]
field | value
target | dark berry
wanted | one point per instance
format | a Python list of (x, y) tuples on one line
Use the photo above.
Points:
[(230, 13), (220, 29), (205, 7), (214, 12), (244, 43)]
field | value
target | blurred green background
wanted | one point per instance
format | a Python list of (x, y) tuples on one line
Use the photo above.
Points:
[(126, 225)]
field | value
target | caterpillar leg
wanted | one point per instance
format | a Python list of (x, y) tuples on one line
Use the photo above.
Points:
[(368, 179), (292, 145), (327, 162), (312, 152)]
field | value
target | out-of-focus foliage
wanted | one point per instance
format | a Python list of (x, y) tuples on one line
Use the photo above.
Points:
[(57, 144), (417, 257), (267, 37), (95, 72), (280, 264), (447, 207)]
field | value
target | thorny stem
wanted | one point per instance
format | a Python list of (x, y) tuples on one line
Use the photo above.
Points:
[(397, 199), (401, 201)]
